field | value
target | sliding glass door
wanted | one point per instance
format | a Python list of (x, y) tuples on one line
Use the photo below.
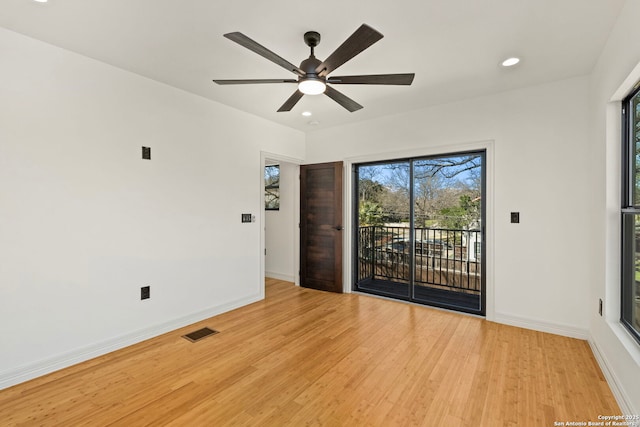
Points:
[(419, 230)]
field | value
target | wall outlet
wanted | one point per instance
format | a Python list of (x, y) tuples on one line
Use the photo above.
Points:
[(247, 218), (600, 307), (515, 217), (146, 153), (145, 292)]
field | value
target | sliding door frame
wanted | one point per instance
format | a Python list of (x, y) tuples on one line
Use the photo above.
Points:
[(488, 297)]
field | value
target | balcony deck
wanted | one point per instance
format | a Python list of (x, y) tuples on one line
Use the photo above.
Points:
[(448, 268), (439, 297)]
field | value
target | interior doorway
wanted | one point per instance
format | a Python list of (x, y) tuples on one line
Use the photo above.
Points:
[(419, 230), (280, 182)]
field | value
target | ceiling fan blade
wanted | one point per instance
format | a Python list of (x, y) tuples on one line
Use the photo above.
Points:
[(245, 41), (342, 99), (373, 79), (289, 103), (249, 81), (363, 37)]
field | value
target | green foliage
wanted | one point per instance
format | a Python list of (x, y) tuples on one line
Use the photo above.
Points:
[(370, 213), (463, 216)]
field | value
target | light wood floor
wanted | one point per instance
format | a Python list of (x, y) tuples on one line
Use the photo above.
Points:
[(305, 357)]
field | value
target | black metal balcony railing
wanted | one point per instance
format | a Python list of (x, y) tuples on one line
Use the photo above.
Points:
[(443, 258)]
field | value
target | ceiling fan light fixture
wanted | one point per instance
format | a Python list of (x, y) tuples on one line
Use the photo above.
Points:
[(312, 86)]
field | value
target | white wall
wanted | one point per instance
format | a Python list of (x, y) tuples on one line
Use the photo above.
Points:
[(540, 168), (280, 239), (617, 70), (84, 222)]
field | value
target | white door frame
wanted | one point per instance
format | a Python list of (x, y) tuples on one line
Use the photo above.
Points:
[(264, 156)]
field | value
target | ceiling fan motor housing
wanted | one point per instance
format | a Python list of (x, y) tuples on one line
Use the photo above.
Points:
[(311, 83), (309, 66)]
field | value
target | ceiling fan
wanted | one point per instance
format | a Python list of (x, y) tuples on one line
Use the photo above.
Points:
[(313, 74)]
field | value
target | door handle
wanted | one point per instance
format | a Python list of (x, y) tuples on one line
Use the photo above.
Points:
[(338, 227)]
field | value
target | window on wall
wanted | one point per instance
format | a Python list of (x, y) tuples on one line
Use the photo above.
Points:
[(272, 187), (630, 313)]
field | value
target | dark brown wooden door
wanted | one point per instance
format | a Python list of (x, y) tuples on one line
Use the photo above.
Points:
[(321, 226)]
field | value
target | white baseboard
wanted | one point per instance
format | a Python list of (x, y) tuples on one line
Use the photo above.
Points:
[(612, 379), (537, 325), (285, 277), (55, 363)]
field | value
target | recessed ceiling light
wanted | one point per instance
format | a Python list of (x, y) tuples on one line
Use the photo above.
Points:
[(510, 62), (306, 113), (314, 123), (40, 1)]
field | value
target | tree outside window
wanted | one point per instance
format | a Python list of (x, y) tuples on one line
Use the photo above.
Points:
[(272, 187)]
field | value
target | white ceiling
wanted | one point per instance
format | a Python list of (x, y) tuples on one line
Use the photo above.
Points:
[(453, 46)]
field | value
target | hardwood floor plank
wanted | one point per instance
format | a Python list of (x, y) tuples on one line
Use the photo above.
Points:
[(306, 357)]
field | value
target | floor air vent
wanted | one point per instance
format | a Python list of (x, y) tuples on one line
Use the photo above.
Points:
[(199, 334)]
